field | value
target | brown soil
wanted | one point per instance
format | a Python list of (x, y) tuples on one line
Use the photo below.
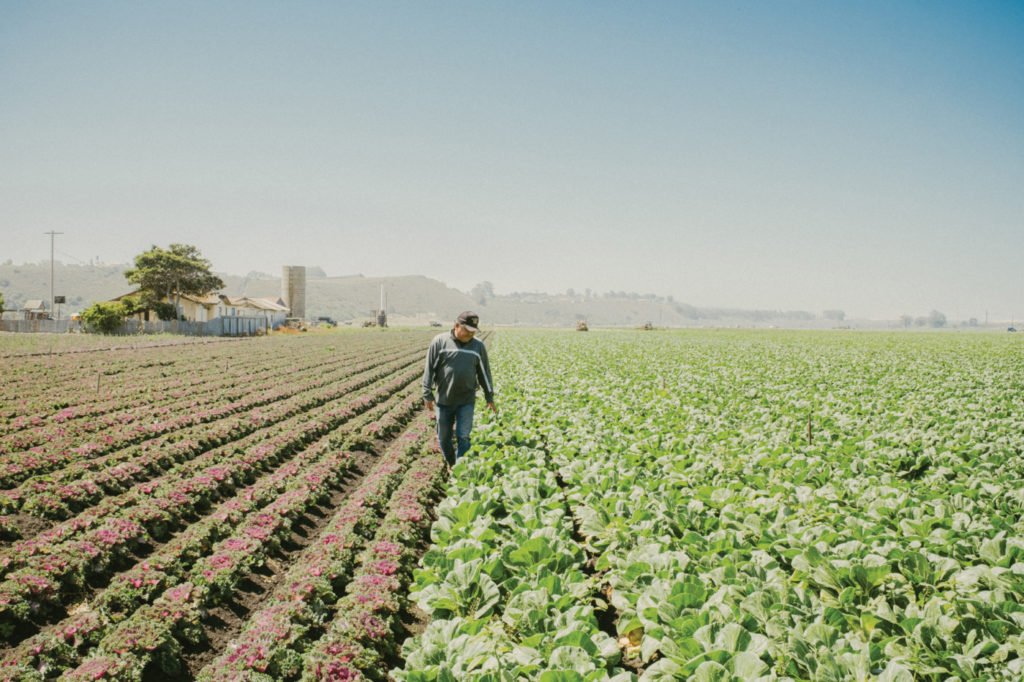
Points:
[(26, 525), (414, 622)]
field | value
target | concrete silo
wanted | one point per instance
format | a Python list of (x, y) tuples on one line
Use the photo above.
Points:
[(293, 290)]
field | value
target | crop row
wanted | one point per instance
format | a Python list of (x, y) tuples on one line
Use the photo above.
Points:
[(185, 458), (41, 571), (23, 346), (153, 637), (157, 380), (142, 369), (216, 549), (119, 380), (505, 582), (71, 446), (52, 495), (356, 573), (254, 509)]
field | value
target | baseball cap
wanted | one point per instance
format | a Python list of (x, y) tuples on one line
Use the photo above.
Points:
[(469, 320)]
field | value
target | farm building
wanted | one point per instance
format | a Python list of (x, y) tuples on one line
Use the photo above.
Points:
[(191, 308), (198, 308), (274, 311), (34, 309), (212, 306)]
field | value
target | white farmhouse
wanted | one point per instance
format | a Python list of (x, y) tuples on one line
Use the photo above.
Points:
[(212, 306), (269, 309)]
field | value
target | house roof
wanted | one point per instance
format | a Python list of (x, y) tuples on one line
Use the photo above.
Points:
[(208, 299), (258, 303), (34, 304), (268, 304)]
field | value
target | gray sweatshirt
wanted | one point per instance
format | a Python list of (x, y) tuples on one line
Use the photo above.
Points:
[(456, 368)]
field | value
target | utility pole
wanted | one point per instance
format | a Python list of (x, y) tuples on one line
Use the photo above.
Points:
[(52, 235)]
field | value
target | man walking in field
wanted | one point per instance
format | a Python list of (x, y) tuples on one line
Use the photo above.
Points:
[(456, 363)]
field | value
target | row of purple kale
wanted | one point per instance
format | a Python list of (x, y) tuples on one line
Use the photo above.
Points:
[(57, 446), (41, 574), (83, 483), (356, 540), (90, 392)]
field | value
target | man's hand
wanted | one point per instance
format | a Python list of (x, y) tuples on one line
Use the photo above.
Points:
[(493, 408), (429, 405)]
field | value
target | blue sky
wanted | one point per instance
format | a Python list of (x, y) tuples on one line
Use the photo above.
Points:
[(864, 156)]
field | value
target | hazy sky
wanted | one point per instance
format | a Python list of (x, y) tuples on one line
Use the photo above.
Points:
[(867, 156)]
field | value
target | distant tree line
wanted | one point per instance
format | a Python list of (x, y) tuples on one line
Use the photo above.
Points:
[(934, 319), (483, 293)]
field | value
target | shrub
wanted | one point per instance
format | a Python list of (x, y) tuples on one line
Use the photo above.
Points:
[(164, 310), (106, 317)]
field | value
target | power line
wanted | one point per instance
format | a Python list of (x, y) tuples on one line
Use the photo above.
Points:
[(75, 258)]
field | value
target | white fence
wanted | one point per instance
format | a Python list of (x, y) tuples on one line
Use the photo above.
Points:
[(221, 326), (40, 326)]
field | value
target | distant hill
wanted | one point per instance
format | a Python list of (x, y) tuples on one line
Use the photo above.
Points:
[(81, 285), (411, 299), (418, 298)]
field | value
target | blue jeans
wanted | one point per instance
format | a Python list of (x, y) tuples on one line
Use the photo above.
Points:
[(457, 419)]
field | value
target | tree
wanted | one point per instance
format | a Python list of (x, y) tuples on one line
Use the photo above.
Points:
[(168, 273), (834, 315), (936, 319), (106, 317), (482, 292), (1, 302), (134, 305), (164, 311)]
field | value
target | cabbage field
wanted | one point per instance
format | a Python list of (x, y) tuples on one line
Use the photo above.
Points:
[(660, 505), (735, 506)]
